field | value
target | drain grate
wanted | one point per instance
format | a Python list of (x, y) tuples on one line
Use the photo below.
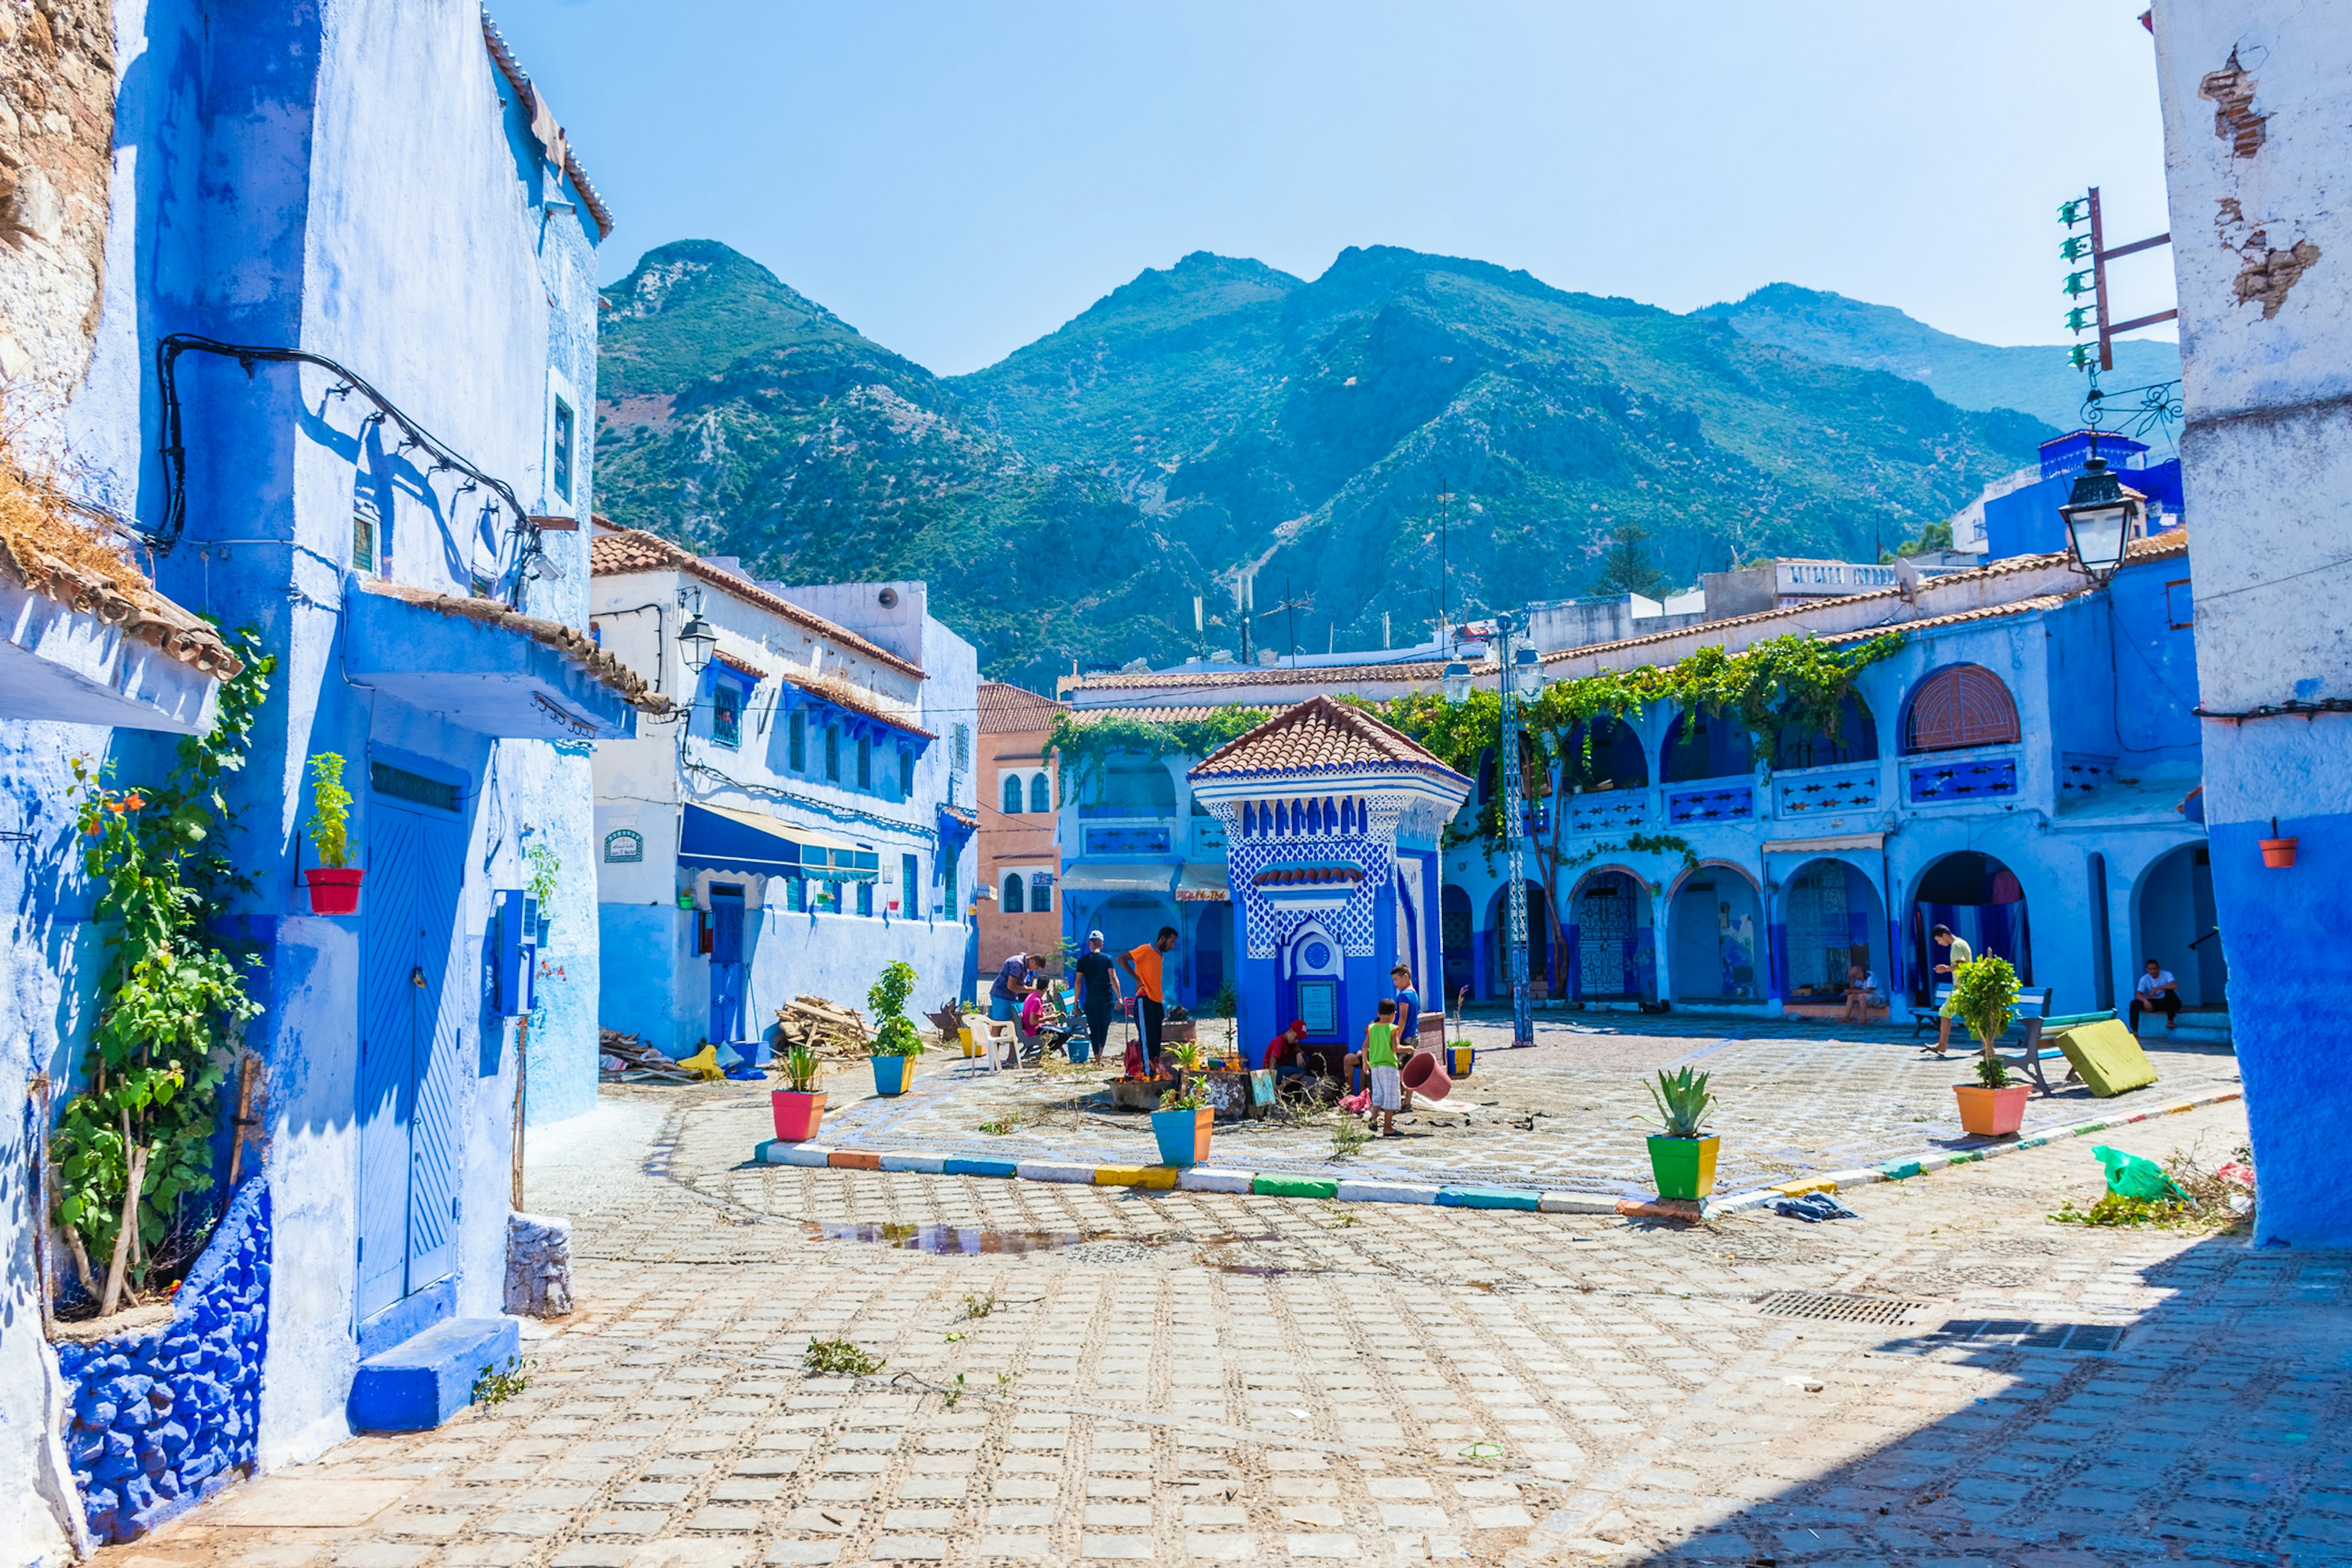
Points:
[(1830, 1307)]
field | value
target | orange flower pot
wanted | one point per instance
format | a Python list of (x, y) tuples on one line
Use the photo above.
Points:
[(1990, 1112), (2278, 854)]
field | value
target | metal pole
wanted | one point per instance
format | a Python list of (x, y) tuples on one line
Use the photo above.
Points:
[(1515, 903)]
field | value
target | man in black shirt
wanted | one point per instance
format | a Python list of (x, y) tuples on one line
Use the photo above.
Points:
[(1098, 990)]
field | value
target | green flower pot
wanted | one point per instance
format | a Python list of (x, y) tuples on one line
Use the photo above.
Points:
[(1682, 1167)]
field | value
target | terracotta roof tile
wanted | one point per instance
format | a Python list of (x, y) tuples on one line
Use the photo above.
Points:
[(518, 79), (841, 694), (569, 641), (1989, 613), (1263, 675), (1318, 733), (627, 550), (1012, 710), (145, 614), (1186, 713)]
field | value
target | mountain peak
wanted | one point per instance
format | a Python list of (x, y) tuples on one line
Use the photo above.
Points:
[(692, 308)]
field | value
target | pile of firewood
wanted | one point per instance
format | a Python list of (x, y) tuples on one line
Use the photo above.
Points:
[(626, 1059), (825, 1027)]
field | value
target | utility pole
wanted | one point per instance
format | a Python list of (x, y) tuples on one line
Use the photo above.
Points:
[(1444, 504), (1515, 812), (1247, 594)]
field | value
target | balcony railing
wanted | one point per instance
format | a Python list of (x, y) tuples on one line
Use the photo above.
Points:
[(1731, 803), (1608, 811), (1117, 812), (1952, 779), (1130, 839), (1824, 792), (2080, 773)]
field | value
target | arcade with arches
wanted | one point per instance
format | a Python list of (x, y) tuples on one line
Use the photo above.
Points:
[(1982, 902), (1716, 924), (1612, 956), (1831, 920)]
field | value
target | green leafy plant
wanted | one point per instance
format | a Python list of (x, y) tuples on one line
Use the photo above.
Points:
[(1188, 1095), (495, 1385), (803, 1069), (894, 1033), (1992, 1071), (842, 1358), (980, 1306), (1349, 1137), (331, 811), (1185, 1056), (1227, 1001), (544, 865), (1683, 1102), (135, 1142), (1984, 997)]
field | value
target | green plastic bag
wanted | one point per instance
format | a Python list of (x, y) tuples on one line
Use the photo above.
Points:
[(2130, 1176)]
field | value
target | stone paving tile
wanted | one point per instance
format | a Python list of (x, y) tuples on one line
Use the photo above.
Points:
[(1566, 1114), (1232, 1379)]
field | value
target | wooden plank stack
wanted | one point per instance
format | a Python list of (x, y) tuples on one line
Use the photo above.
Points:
[(825, 1027), (626, 1059)]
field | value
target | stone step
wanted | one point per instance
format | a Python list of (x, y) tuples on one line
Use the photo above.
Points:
[(423, 1381)]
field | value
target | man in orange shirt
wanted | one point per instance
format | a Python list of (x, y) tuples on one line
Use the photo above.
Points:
[(1143, 965)]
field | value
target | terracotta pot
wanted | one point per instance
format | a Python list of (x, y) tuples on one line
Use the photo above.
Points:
[(334, 889), (1990, 1112), (1682, 1167), (1425, 1075), (1182, 1135), (798, 1116), (2278, 853)]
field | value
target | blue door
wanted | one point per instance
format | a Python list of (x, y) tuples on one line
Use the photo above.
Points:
[(727, 963), (410, 1074)]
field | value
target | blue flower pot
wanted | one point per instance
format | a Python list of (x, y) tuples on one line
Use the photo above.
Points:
[(892, 1074), (1182, 1135), (1080, 1048)]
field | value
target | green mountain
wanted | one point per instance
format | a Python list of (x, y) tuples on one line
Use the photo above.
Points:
[(1069, 502), (1838, 331)]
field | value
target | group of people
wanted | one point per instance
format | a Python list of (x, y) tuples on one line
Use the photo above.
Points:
[(1026, 989), (2155, 991), (1395, 1024)]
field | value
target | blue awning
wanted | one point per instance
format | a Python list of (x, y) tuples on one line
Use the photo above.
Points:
[(721, 838)]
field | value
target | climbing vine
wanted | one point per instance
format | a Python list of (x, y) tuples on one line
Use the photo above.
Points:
[(1082, 746), (144, 1117)]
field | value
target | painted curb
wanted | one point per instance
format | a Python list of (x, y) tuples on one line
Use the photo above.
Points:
[(776, 1152), (1385, 1193), (1575, 1203), (1903, 1170), (1161, 1177), (1054, 1171), (1212, 1179), (1487, 1198), (928, 1164)]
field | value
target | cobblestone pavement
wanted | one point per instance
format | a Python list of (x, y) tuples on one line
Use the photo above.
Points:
[(1566, 1114), (1078, 1375)]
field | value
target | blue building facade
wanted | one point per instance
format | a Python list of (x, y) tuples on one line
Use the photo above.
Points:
[(337, 374), (2026, 521)]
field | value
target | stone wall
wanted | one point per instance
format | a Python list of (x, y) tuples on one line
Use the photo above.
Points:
[(56, 127), (166, 1417)]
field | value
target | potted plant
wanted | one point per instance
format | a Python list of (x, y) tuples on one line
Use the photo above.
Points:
[(544, 865), (1181, 1124), (334, 886), (1984, 995), (800, 1109), (896, 1044), (1682, 1157)]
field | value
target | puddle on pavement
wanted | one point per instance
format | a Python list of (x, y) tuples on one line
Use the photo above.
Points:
[(971, 1241)]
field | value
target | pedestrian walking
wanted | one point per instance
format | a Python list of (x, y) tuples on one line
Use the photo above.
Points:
[(1098, 994)]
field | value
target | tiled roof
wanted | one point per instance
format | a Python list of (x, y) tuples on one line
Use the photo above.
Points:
[(145, 614), (518, 79), (1989, 613), (1011, 709), (627, 550), (1318, 733), (569, 641), (841, 694), (738, 664), (1263, 675), (1187, 714)]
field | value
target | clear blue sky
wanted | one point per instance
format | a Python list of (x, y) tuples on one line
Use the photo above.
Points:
[(955, 179)]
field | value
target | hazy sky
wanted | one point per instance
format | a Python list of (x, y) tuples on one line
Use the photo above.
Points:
[(955, 179)]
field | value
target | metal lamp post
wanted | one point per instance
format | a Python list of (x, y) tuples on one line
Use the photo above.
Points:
[(1521, 674)]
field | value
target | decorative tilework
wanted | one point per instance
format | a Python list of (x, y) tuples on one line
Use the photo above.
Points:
[(1986, 776), (1737, 804), (1822, 791)]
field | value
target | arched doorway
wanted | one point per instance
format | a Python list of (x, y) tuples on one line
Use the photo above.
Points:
[(1539, 942), (1610, 953), (1719, 938), (2173, 921), (1831, 920), (1983, 903), (1460, 940)]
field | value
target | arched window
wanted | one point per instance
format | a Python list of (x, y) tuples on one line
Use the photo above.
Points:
[(1012, 792), (1012, 901), (1964, 705), (1604, 753), (1041, 794), (1856, 739), (1706, 747)]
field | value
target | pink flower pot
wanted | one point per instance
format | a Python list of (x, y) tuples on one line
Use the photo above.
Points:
[(1991, 1112), (798, 1116), (334, 889)]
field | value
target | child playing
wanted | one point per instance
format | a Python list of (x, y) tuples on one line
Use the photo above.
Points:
[(1381, 1061)]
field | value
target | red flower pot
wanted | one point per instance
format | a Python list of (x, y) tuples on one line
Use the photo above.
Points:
[(334, 889), (798, 1116), (2278, 854), (1990, 1112)]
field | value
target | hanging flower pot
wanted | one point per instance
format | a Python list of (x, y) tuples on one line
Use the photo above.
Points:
[(798, 1116), (892, 1074), (1991, 1112), (334, 889), (1182, 1135), (1684, 1167), (2278, 854)]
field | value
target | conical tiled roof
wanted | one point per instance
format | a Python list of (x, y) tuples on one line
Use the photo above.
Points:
[(1318, 734)]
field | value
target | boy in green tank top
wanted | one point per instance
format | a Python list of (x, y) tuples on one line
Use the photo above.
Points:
[(1380, 1063)]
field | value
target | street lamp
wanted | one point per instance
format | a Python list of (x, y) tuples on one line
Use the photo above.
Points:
[(2102, 514), (1523, 677), (696, 642)]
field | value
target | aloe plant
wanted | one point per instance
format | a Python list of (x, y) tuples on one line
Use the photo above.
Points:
[(802, 1070), (1683, 1102)]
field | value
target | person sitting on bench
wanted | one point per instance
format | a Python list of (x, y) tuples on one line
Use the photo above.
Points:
[(1946, 969), (1860, 993), (2156, 992)]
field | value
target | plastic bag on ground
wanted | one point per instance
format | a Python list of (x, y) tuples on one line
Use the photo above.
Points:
[(2130, 1176)]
